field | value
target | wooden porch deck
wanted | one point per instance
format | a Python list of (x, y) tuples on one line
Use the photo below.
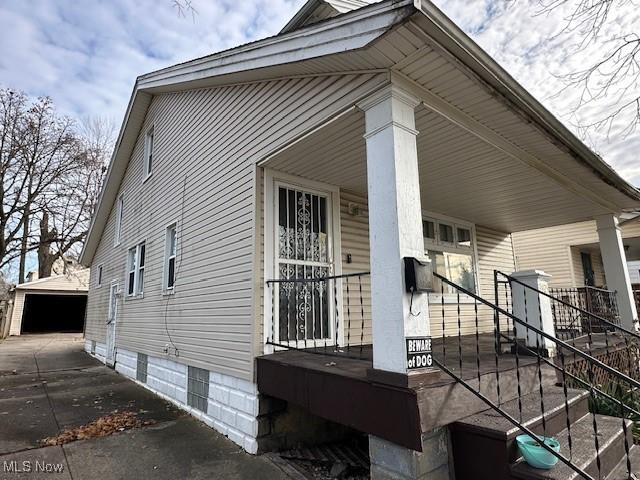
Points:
[(399, 408)]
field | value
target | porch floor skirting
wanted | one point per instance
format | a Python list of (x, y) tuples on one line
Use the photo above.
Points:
[(345, 390)]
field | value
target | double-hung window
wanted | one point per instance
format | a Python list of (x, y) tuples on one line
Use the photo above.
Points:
[(450, 245), (148, 153), (170, 249), (135, 270)]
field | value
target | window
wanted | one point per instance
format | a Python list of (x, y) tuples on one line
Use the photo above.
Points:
[(170, 248), (198, 388), (119, 213), (148, 153), (141, 371), (99, 276), (450, 247), (429, 229), (135, 270)]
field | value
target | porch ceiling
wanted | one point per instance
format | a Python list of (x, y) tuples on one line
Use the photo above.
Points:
[(485, 155), (460, 174)]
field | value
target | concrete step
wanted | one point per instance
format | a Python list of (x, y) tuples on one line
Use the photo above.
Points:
[(484, 444), (611, 448), (621, 471)]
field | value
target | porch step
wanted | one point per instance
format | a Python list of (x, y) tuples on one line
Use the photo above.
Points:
[(621, 472), (611, 438), (484, 444)]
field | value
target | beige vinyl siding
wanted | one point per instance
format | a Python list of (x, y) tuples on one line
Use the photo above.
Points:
[(354, 231), (556, 250), (206, 143)]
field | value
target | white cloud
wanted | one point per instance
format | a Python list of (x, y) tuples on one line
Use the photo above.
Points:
[(86, 55), (533, 50)]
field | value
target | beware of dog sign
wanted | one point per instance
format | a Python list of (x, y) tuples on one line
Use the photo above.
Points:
[(419, 352)]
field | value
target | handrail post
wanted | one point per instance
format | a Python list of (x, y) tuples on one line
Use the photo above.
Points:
[(535, 309)]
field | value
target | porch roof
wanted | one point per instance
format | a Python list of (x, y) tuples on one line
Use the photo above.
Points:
[(423, 48)]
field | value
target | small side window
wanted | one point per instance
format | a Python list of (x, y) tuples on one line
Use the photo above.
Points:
[(445, 233), (171, 246), (99, 276), (429, 230), (148, 153)]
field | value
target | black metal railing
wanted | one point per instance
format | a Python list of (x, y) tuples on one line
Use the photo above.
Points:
[(592, 332), (565, 302), (478, 365), (324, 314)]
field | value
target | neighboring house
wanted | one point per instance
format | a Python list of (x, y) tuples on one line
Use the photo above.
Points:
[(52, 304), (324, 154), (571, 253)]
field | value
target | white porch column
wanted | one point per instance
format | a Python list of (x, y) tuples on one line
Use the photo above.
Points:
[(395, 225), (616, 271), (534, 309)]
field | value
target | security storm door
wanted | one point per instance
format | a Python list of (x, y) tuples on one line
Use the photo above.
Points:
[(303, 316), (110, 355)]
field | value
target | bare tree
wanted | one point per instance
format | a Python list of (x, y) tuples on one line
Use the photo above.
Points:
[(51, 175), (37, 148), (12, 133), (613, 74), (66, 215), (183, 7)]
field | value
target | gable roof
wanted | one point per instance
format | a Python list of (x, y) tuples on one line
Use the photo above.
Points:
[(305, 49), (317, 10), (73, 282)]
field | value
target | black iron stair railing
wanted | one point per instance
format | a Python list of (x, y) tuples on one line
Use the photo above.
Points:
[(593, 328), (323, 314), (532, 357)]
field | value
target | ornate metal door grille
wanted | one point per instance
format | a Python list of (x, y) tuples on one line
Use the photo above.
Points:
[(303, 251)]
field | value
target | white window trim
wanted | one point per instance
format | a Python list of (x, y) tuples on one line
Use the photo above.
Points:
[(99, 275), (117, 234), (273, 179), (452, 298), (166, 290), (147, 172), (136, 272)]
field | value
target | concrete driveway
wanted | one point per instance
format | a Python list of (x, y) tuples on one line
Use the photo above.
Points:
[(48, 384)]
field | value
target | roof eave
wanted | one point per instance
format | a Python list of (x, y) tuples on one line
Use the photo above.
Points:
[(471, 54), (348, 32)]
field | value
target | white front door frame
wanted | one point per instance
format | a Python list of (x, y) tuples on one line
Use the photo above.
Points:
[(112, 315), (272, 180)]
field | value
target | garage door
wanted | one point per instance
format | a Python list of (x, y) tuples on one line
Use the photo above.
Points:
[(53, 313)]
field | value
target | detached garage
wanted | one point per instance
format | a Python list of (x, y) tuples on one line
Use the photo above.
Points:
[(54, 304)]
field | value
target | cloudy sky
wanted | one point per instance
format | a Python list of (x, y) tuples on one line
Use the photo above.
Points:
[(86, 55)]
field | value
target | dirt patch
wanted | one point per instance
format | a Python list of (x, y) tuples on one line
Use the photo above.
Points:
[(102, 427)]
